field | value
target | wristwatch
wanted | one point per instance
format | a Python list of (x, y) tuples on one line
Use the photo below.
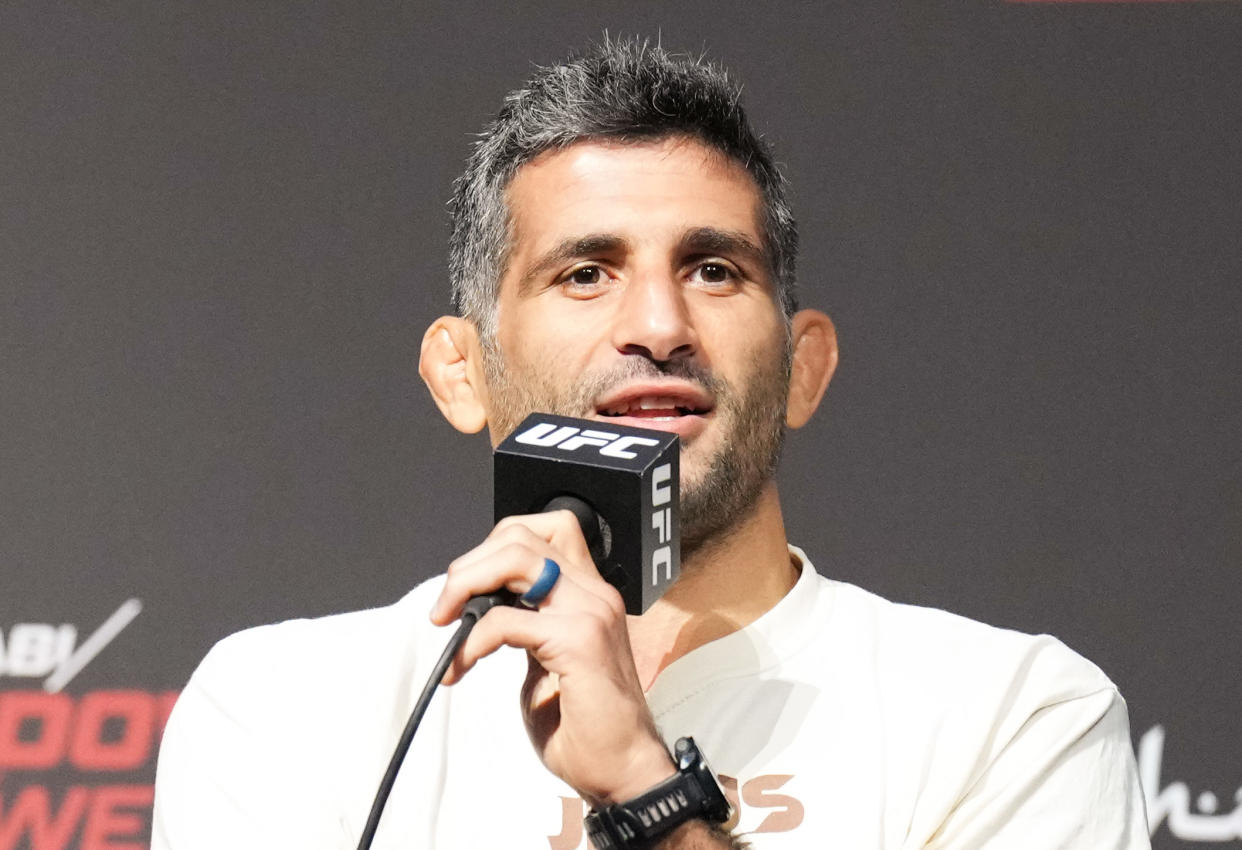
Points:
[(691, 793)]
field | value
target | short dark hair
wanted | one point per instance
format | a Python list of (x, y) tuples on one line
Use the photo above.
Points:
[(620, 89)]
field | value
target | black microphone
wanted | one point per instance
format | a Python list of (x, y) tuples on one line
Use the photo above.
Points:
[(620, 482)]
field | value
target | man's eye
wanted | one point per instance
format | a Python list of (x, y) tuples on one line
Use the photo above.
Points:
[(715, 273), (586, 276)]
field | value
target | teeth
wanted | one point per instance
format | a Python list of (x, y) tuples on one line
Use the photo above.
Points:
[(647, 403)]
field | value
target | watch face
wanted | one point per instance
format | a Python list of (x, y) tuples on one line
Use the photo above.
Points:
[(690, 760)]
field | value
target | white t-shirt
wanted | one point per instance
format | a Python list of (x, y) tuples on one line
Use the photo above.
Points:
[(836, 720)]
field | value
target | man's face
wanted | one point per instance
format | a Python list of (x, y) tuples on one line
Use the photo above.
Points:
[(637, 292)]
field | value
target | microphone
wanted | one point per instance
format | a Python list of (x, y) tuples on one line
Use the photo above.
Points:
[(621, 483)]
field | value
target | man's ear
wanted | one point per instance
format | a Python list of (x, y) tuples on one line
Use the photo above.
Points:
[(814, 361), (451, 363)]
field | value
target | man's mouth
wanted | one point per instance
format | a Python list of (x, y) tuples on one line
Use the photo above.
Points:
[(656, 403), (653, 408)]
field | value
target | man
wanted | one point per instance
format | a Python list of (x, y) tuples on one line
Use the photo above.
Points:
[(623, 251)]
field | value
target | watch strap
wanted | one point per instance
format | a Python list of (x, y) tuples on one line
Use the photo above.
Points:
[(641, 822)]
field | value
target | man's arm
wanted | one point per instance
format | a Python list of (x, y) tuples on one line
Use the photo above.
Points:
[(282, 733), (222, 779), (699, 835), (1066, 780)]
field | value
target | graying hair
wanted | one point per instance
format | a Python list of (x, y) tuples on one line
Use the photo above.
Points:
[(622, 90)]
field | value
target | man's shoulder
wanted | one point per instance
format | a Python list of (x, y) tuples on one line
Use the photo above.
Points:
[(943, 652), (290, 718), (324, 656)]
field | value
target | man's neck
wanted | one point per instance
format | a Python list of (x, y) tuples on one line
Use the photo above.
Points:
[(723, 587)]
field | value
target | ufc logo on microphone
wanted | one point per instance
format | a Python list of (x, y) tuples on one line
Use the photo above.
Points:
[(568, 438), (662, 523)]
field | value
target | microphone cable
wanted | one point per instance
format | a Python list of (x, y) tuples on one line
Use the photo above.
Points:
[(474, 610)]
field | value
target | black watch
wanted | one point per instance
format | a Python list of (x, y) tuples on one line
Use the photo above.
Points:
[(691, 793)]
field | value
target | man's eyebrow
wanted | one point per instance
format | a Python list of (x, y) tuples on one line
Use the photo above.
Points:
[(575, 247), (713, 240)]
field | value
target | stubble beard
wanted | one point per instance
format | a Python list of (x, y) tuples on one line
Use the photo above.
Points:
[(714, 502)]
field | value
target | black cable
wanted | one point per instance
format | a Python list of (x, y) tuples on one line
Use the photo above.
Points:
[(474, 609)]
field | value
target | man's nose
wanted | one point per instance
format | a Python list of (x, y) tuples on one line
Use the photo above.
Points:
[(654, 320)]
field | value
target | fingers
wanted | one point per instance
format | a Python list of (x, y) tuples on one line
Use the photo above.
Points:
[(555, 638), (504, 627), (559, 528), (512, 557)]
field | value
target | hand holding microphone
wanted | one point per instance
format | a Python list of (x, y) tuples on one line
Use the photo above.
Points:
[(583, 703), (565, 522)]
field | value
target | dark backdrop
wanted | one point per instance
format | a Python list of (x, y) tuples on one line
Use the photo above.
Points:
[(222, 231)]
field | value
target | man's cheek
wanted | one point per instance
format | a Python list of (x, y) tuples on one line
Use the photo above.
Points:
[(696, 458)]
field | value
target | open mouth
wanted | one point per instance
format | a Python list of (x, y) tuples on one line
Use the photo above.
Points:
[(655, 403), (653, 408)]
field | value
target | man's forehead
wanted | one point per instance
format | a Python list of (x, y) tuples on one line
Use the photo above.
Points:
[(592, 182)]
